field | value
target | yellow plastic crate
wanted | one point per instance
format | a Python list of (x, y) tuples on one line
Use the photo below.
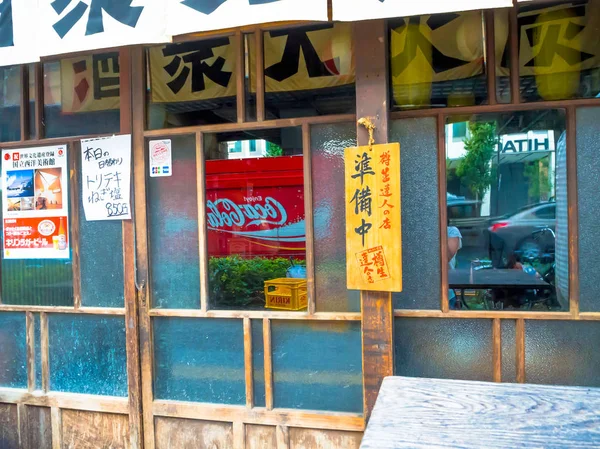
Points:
[(286, 294)]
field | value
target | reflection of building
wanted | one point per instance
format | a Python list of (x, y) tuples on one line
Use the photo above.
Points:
[(243, 149)]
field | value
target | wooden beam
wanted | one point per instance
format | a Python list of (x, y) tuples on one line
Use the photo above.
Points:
[(248, 365), (240, 76), (573, 211), (239, 435), (30, 327), (283, 437), (520, 349), (75, 147), (490, 55), (74, 401), (56, 421), (256, 314), (443, 211), (260, 75), (372, 102), (202, 230), (497, 349), (513, 36), (268, 363), (309, 219)]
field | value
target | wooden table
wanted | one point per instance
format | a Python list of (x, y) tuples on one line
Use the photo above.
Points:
[(434, 413), (494, 278)]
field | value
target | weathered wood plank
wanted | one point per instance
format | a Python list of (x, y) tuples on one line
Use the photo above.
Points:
[(323, 439), (39, 428), (9, 426), (434, 413), (189, 434), (85, 430), (260, 437)]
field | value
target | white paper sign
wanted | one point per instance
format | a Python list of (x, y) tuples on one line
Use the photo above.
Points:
[(350, 10), (106, 178), (18, 27), (78, 25), (187, 16), (161, 161)]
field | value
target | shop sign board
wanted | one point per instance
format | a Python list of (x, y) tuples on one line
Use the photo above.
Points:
[(35, 203), (373, 218)]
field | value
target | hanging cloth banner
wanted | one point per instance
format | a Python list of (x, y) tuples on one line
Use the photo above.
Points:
[(350, 10), (189, 16), (17, 32), (67, 26)]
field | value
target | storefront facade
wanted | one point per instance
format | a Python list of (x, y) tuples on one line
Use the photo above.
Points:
[(160, 331)]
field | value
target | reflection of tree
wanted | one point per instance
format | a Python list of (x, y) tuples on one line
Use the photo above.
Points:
[(274, 150), (475, 169), (538, 179)]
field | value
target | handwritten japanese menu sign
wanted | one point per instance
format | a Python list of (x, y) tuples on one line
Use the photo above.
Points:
[(35, 203), (373, 219), (105, 178)]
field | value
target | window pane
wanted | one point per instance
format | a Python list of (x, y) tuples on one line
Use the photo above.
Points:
[(443, 348), (173, 227), (82, 95), (420, 213), (255, 220), (258, 362), (192, 83), (13, 356), (308, 71), (87, 354), (327, 153), (509, 351), (513, 252), (588, 168), (317, 366), (438, 60), (558, 53), (200, 360), (10, 104)]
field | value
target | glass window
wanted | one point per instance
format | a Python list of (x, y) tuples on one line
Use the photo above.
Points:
[(501, 42), (308, 71), (438, 60), (192, 83), (255, 220), (512, 170), (459, 131), (558, 50), (82, 95), (10, 104)]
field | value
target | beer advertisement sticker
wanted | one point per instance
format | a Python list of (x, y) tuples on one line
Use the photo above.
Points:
[(106, 178), (161, 162), (35, 203)]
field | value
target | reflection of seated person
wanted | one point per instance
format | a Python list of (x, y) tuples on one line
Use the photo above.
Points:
[(454, 244)]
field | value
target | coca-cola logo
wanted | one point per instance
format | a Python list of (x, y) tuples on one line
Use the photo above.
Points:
[(225, 213)]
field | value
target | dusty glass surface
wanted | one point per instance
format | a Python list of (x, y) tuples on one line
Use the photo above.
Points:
[(199, 360), (255, 218), (317, 366), (10, 103), (327, 156), (562, 353), (38, 350), (82, 95), (13, 341), (443, 348), (258, 362), (87, 354), (588, 180), (173, 228), (507, 211), (420, 213), (509, 351)]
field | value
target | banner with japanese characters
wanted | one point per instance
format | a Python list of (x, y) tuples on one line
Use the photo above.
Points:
[(18, 21), (90, 83), (188, 16), (197, 70), (106, 178), (373, 218), (35, 203), (67, 26), (351, 10), (303, 58)]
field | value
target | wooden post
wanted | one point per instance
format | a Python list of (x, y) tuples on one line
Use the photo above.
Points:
[(372, 101)]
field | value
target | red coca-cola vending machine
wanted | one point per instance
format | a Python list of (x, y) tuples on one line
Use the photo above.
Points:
[(255, 207)]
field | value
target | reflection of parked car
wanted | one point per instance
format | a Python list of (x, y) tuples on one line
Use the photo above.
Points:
[(513, 234), (466, 216)]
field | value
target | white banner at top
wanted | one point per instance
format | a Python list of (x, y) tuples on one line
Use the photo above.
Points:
[(17, 32), (67, 26), (189, 16), (351, 10)]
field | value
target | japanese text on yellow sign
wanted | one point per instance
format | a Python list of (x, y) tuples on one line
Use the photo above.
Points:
[(373, 218)]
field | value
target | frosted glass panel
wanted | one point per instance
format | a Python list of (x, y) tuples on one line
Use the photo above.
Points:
[(258, 362), (87, 354), (173, 226), (562, 352), (588, 180), (13, 350), (420, 214), (443, 348), (317, 366), (327, 149), (509, 351), (200, 360)]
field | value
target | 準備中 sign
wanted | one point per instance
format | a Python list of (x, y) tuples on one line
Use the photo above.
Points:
[(373, 218)]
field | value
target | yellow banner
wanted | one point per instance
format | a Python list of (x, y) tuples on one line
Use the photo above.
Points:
[(192, 71), (90, 83), (373, 218), (306, 58)]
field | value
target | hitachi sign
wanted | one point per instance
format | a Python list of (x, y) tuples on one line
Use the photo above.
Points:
[(526, 142)]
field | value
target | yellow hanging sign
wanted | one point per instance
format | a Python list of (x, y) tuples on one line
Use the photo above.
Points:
[(373, 218)]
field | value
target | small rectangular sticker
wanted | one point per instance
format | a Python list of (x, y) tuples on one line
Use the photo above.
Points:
[(161, 162)]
